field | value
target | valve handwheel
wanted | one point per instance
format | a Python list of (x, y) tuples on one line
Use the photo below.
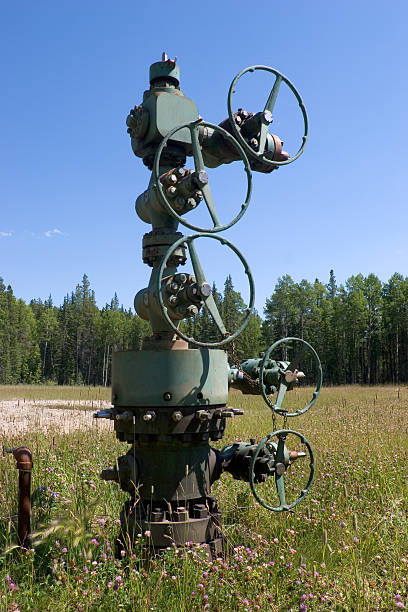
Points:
[(209, 302), (288, 373), (194, 127), (267, 117), (281, 463)]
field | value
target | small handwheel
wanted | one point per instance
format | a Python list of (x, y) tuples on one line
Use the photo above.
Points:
[(267, 117), (194, 126), (282, 460), (287, 373), (209, 303)]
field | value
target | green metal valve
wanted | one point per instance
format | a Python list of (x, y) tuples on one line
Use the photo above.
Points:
[(288, 374), (194, 128), (258, 148), (282, 459), (209, 302)]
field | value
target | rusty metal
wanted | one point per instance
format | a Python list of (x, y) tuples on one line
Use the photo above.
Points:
[(24, 464)]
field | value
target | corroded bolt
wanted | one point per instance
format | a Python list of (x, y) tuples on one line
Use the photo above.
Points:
[(176, 416), (149, 416), (173, 300), (171, 191), (254, 143), (180, 172)]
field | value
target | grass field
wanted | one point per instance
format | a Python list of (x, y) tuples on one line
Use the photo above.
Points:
[(344, 548)]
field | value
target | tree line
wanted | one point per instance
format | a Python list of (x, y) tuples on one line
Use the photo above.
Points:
[(359, 330)]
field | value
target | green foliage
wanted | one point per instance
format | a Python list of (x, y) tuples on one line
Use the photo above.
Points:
[(359, 330)]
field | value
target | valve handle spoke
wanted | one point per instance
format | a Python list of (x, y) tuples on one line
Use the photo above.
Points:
[(199, 166), (270, 103), (200, 277), (280, 487), (281, 394)]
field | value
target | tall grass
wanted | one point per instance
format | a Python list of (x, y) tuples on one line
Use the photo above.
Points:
[(344, 548)]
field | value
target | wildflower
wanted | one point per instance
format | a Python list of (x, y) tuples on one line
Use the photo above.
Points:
[(95, 541), (123, 553), (110, 584), (148, 534), (245, 602), (64, 550)]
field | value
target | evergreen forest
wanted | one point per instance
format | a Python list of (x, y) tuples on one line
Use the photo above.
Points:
[(359, 330)]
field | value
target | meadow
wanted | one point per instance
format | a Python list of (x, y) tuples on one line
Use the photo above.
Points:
[(344, 548)]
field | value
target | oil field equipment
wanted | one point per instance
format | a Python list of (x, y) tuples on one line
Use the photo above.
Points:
[(170, 398)]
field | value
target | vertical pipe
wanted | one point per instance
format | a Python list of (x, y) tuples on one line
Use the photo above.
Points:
[(24, 459)]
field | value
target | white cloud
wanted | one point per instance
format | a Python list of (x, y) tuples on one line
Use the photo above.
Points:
[(53, 232), (4, 234)]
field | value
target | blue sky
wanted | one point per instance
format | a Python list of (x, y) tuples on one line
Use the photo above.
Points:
[(72, 70)]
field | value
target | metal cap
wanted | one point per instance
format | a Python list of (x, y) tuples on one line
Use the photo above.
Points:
[(166, 69)]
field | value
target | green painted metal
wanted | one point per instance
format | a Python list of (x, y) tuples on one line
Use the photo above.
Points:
[(200, 167), (268, 108), (191, 377), (280, 455), (283, 384), (228, 336), (170, 400)]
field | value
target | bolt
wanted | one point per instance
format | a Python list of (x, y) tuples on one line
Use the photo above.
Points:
[(254, 143), (167, 396), (177, 416), (173, 300), (149, 416), (202, 415), (238, 119), (268, 116), (172, 178), (180, 172), (191, 203), (181, 278), (201, 178), (205, 290), (174, 287), (192, 310), (171, 191)]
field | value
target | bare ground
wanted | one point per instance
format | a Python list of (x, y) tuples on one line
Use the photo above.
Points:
[(19, 416)]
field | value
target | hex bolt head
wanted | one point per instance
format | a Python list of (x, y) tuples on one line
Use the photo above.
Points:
[(149, 416), (180, 172), (254, 143), (177, 416), (171, 191), (167, 396)]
